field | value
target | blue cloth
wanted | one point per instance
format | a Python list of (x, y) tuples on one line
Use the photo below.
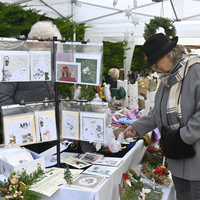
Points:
[(125, 120)]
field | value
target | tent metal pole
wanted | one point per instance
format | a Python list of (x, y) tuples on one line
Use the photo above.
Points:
[(174, 11), (73, 12)]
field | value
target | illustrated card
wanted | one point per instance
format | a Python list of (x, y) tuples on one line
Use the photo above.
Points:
[(90, 68), (100, 170), (110, 161), (45, 126), (87, 181), (70, 125), (92, 127), (14, 66), (19, 157), (68, 72), (40, 65), (91, 157), (19, 130), (75, 162)]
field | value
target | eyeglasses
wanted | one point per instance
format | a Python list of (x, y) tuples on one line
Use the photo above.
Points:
[(154, 65)]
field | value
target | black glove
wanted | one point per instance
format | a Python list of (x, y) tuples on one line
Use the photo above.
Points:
[(173, 146)]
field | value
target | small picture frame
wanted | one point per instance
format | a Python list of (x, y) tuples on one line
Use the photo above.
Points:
[(92, 127), (19, 157), (45, 126), (91, 157), (75, 162), (68, 72), (40, 65), (70, 125), (90, 68), (19, 130), (109, 161), (14, 66), (87, 181), (100, 170)]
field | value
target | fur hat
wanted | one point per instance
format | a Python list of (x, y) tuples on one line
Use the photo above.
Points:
[(157, 47)]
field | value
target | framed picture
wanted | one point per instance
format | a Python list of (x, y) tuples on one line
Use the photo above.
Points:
[(92, 127), (91, 157), (109, 161), (86, 181), (68, 72), (45, 126), (19, 130), (19, 157), (70, 125), (90, 68), (100, 170), (75, 162), (40, 65), (14, 66)]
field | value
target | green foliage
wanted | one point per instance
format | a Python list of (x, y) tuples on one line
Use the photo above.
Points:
[(154, 24), (68, 175), (113, 54), (138, 59)]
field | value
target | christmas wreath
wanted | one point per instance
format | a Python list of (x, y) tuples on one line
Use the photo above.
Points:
[(154, 24)]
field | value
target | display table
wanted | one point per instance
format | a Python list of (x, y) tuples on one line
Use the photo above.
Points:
[(109, 189)]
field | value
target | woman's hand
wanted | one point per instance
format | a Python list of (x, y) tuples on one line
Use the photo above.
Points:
[(129, 132)]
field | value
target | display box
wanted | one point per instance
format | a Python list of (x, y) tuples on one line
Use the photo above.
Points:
[(6, 168)]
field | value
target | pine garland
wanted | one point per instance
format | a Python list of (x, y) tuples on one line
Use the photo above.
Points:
[(167, 24)]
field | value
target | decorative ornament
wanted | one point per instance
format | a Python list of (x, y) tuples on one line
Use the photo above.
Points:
[(77, 93), (115, 3), (129, 37), (135, 3), (154, 24), (135, 19), (68, 175), (128, 11)]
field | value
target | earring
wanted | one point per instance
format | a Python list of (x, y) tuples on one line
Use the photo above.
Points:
[(169, 60)]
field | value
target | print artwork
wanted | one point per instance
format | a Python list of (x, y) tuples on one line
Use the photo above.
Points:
[(45, 126), (87, 181), (100, 170), (90, 68), (70, 125), (14, 66), (68, 72), (40, 65), (91, 157), (19, 157), (75, 162), (92, 127), (19, 130), (110, 161)]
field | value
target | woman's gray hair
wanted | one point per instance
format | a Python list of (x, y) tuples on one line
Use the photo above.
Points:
[(44, 30), (114, 73), (177, 52)]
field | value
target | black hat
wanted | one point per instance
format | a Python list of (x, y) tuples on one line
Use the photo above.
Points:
[(157, 47)]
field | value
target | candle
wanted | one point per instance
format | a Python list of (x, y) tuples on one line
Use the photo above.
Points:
[(143, 195), (163, 163)]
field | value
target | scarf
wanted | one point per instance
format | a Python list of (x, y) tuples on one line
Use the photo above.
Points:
[(174, 81)]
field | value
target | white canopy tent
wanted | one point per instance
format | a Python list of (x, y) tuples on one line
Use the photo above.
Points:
[(110, 20)]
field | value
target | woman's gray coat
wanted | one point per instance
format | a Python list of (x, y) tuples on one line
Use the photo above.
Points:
[(190, 132)]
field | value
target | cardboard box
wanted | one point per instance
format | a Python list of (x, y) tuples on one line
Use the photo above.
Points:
[(6, 168)]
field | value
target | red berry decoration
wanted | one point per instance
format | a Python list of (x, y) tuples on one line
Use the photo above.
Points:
[(151, 149), (8, 193)]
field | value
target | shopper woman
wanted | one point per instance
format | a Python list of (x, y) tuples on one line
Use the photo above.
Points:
[(176, 112)]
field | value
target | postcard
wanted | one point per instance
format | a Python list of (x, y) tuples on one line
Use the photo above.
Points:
[(100, 170), (90, 68), (19, 130), (87, 181), (70, 125), (68, 72), (19, 157), (110, 161), (14, 66), (92, 127), (75, 162), (40, 65), (91, 157), (45, 126)]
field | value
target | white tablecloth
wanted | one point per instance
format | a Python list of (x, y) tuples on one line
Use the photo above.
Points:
[(109, 190)]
